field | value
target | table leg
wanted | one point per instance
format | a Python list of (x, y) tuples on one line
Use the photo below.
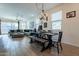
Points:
[(50, 42)]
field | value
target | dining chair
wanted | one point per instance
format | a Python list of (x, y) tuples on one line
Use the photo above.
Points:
[(56, 41)]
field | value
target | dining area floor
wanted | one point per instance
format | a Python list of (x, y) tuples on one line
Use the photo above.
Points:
[(21, 47)]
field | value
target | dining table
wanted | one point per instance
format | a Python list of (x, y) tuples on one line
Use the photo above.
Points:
[(49, 35)]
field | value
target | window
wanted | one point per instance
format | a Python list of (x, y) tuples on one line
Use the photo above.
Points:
[(32, 25), (56, 20), (37, 23), (7, 26), (27, 25), (22, 25), (14, 26)]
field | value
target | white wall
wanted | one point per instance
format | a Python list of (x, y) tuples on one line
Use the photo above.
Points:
[(70, 26)]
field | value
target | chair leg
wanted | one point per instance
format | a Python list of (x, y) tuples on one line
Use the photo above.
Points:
[(43, 47), (31, 41), (61, 46), (58, 48), (53, 44)]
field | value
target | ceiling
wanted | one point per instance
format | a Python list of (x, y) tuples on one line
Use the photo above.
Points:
[(24, 10)]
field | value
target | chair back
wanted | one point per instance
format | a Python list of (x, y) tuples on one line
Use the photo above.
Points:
[(26, 30), (18, 30), (58, 36), (11, 30)]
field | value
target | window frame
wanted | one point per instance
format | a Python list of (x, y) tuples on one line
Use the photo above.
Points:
[(57, 20)]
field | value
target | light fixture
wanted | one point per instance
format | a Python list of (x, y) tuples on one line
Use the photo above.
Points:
[(43, 15)]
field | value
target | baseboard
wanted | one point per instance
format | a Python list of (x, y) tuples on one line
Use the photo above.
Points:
[(71, 44)]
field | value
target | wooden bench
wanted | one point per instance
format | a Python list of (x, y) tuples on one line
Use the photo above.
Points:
[(42, 41)]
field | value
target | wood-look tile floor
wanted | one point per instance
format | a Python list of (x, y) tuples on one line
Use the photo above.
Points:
[(22, 47)]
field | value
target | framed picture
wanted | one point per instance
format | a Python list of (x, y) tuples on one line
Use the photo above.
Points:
[(71, 14), (45, 24)]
